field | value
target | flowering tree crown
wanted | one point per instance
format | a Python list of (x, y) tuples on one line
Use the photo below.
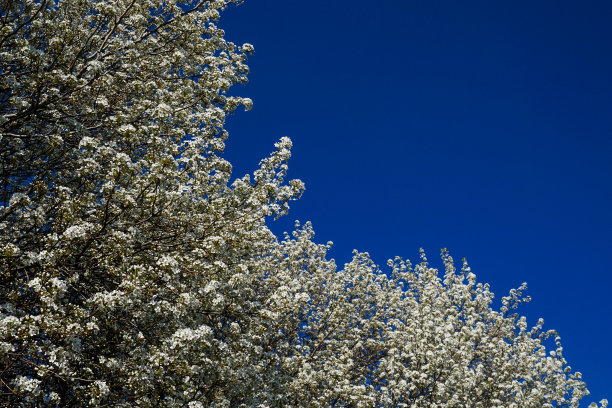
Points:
[(133, 273)]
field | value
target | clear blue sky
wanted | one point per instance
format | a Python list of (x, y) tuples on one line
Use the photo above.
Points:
[(483, 127)]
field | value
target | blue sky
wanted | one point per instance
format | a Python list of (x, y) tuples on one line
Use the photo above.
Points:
[(482, 127)]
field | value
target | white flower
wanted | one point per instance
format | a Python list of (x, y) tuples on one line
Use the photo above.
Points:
[(27, 385), (126, 129), (75, 231), (102, 386), (247, 103)]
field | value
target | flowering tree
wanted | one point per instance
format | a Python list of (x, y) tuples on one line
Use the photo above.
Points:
[(134, 274)]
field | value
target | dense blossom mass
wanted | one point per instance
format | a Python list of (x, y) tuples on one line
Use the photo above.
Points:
[(133, 273)]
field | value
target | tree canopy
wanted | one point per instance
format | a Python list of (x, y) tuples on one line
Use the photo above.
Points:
[(134, 273)]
